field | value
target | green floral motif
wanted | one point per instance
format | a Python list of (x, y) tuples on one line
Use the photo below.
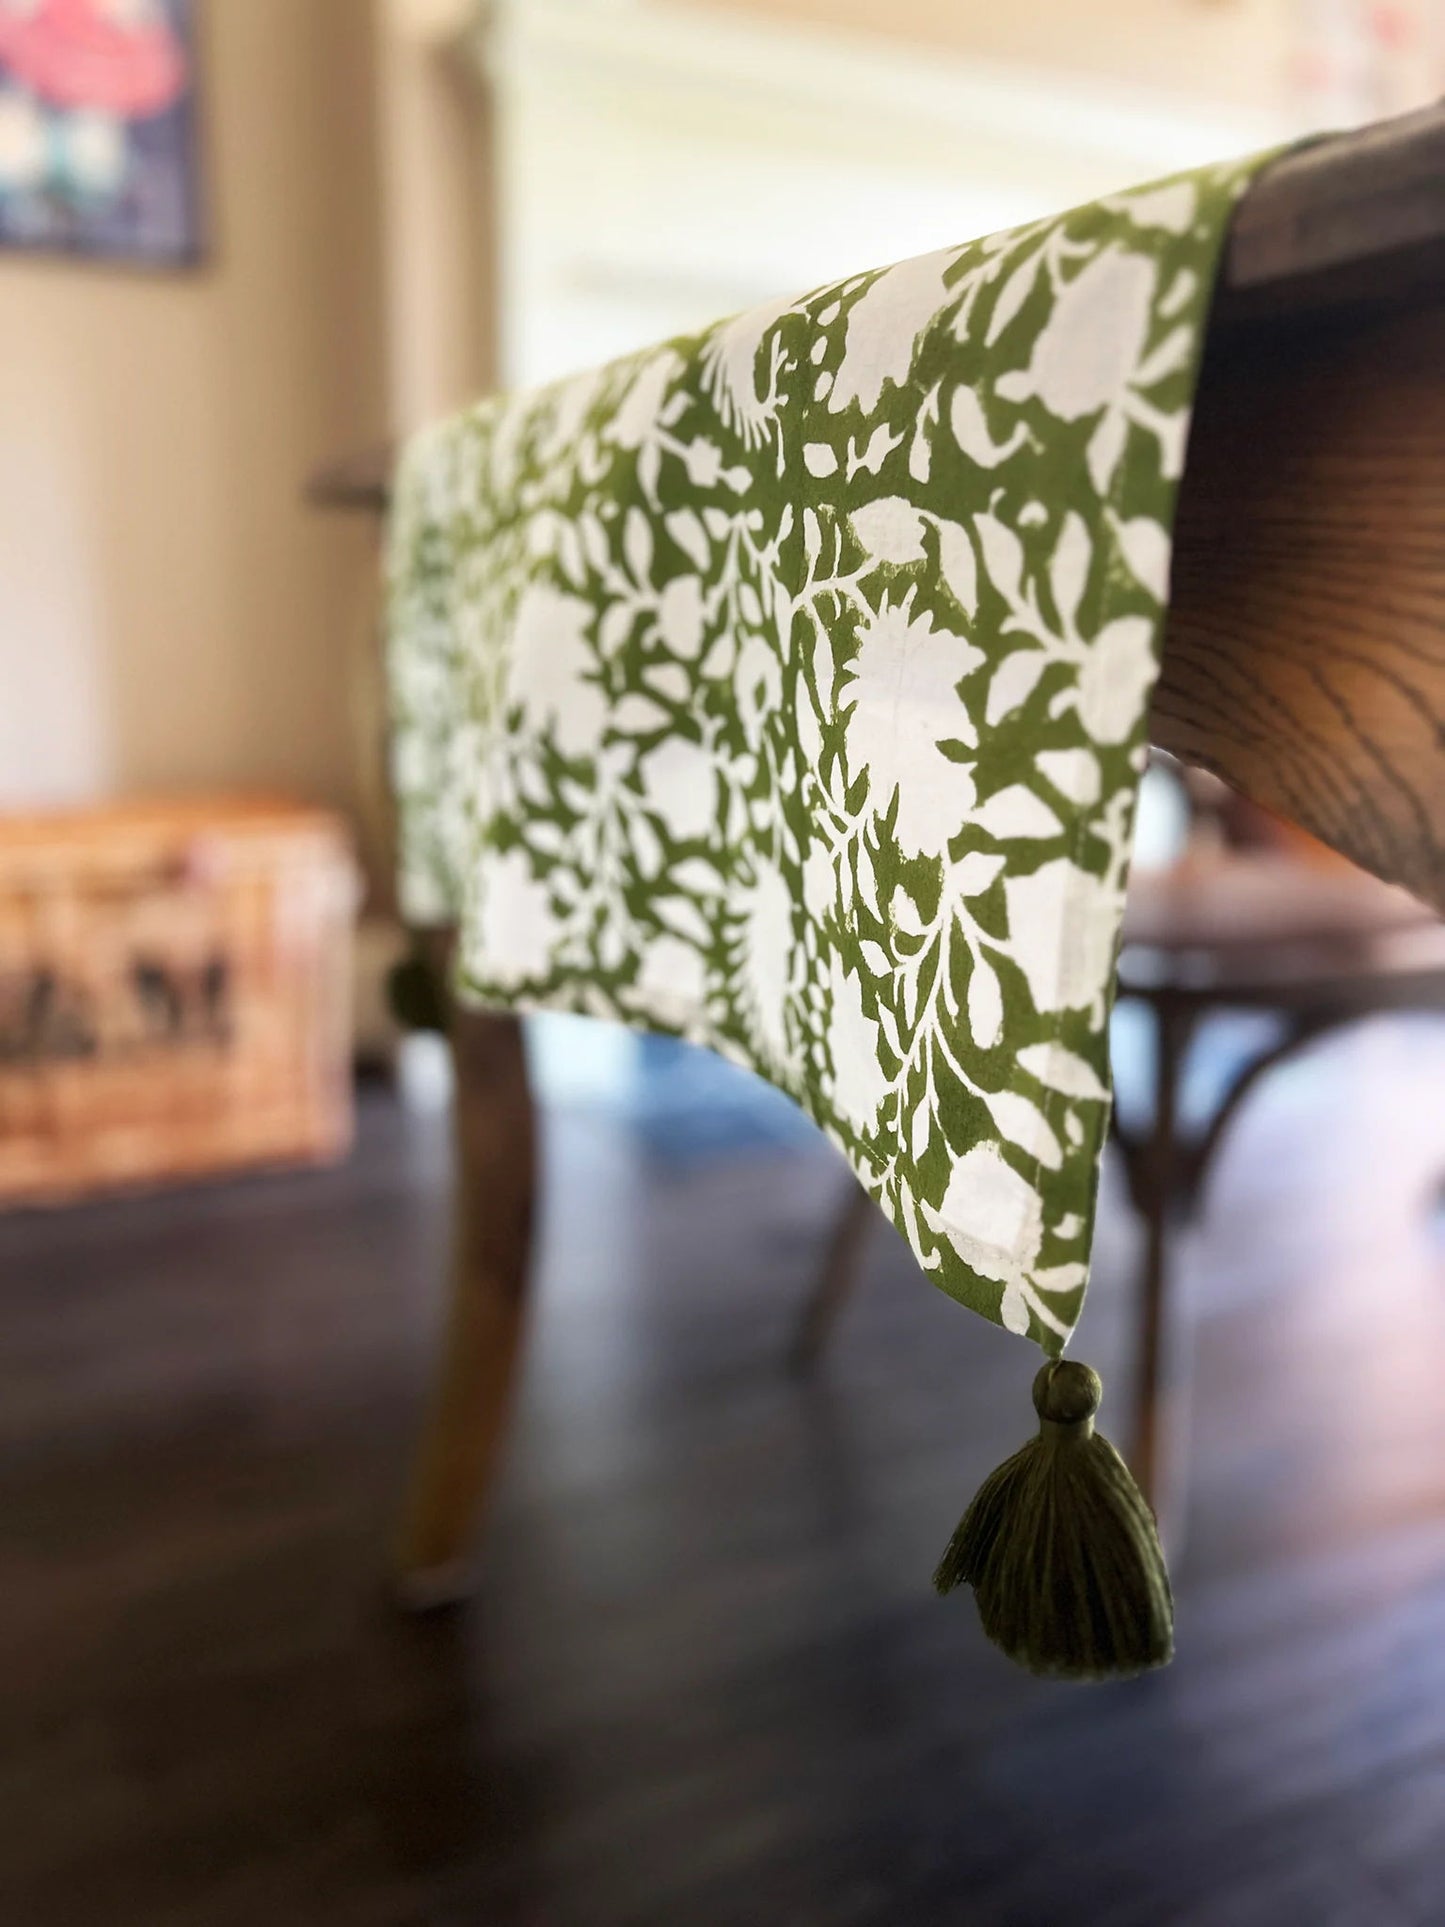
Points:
[(784, 687)]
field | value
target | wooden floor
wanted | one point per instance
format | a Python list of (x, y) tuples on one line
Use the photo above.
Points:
[(704, 1680)]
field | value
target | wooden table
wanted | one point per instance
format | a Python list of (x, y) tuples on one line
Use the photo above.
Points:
[(1304, 659)]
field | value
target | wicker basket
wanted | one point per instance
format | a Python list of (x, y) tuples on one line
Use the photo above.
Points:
[(174, 994)]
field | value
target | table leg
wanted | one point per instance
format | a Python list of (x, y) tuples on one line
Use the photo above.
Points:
[(494, 1135)]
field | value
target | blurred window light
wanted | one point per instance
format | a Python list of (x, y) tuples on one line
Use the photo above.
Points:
[(659, 165)]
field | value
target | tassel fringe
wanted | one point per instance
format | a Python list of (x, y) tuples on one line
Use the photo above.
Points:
[(1061, 1549)]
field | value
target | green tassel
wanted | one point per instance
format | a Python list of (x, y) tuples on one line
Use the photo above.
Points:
[(1061, 1549), (414, 997)]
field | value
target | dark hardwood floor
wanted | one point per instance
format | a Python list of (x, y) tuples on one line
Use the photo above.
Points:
[(704, 1679)]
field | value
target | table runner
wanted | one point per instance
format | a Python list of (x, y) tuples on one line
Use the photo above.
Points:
[(784, 687)]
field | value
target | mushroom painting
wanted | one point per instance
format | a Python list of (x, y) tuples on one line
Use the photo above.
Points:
[(97, 128)]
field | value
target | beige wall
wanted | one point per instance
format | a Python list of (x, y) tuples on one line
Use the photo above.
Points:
[(170, 612), (1229, 51)]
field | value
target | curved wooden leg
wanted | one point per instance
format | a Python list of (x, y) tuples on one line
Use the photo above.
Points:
[(494, 1134), (836, 1278), (1160, 1416)]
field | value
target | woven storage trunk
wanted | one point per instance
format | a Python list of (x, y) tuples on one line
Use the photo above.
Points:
[(174, 993)]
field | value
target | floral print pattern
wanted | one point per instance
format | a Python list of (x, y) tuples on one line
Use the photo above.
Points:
[(785, 688)]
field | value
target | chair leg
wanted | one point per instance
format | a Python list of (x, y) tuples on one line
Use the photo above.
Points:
[(1160, 1388), (835, 1281), (494, 1135)]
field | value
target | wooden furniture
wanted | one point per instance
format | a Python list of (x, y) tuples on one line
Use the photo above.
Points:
[(1304, 659), (1320, 949), (1317, 948), (174, 993)]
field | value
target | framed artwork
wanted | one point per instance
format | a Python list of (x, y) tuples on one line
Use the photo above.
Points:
[(98, 129)]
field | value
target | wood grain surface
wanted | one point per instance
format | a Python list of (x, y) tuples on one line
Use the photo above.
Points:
[(1304, 659)]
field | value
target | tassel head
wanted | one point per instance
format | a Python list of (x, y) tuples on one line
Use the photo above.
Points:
[(414, 997), (1061, 1549)]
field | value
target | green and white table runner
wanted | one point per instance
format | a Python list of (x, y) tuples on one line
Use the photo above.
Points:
[(784, 687)]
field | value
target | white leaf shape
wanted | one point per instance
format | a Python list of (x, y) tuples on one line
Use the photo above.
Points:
[(973, 873), (890, 529), (922, 1127), (820, 882), (905, 913), (646, 849), (639, 411), (1024, 1124), (594, 540), (689, 534), (876, 958), (549, 672), (1062, 925), (868, 880), (888, 1024), (1116, 678), (649, 467), (1170, 207), (1016, 811), (810, 737), (1013, 682), (670, 681), (687, 920), (519, 927), (859, 1081), (920, 454), (985, 1004), (1093, 341), (959, 564), (1073, 772), (698, 875), (1179, 293), (883, 328), (718, 662), (1171, 354), (1146, 550), (1015, 292), (819, 459), (1061, 1069), (615, 626), (970, 430), (1069, 569), (569, 553), (1003, 555), (637, 544), (680, 616), (1057, 1278), (638, 715), (1106, 445), (1013, 1309), (823, 670)]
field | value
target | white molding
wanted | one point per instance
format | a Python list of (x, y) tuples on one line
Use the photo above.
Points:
[(847, 80)]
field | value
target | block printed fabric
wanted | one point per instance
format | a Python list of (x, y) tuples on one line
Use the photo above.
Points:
[(784, 687)]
